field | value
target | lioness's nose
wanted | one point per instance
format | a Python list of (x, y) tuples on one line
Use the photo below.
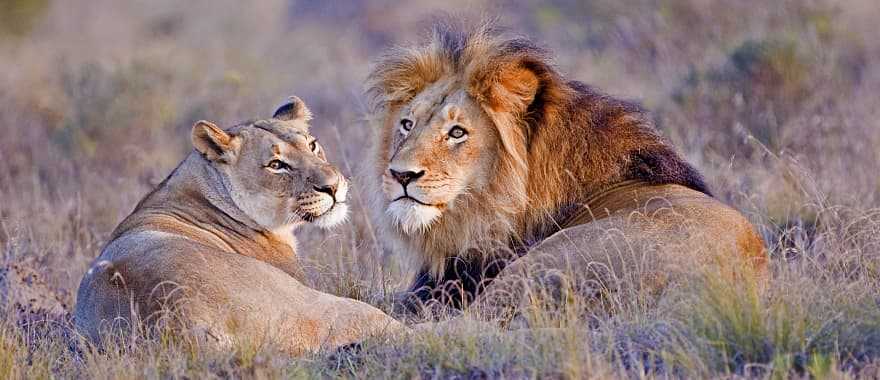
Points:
[(405, 177), (328, 189), (326, 180)]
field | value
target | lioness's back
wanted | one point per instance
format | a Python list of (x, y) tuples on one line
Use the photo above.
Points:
[(224, 296)]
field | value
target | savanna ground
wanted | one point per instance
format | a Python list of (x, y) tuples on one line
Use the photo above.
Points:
[(777, 102)]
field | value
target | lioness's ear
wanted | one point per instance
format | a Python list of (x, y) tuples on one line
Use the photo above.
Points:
[(214, 143), (294, 109)]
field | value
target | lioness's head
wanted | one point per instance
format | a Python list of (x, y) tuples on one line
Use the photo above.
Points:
[(274, 170)]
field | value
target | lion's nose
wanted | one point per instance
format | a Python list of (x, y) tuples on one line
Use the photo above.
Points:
[(405, 177)]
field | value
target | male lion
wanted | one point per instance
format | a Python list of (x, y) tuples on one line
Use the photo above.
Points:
[(211, 248), (497, 172)]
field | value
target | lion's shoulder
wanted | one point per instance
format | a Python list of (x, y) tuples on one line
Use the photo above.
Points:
[(626, 130)]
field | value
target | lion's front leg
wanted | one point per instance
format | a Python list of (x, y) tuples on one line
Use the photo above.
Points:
[(462, 280)]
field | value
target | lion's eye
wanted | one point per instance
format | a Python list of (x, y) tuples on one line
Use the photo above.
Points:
[(406, 124), (277, 165), (314, 146), (457, 132)]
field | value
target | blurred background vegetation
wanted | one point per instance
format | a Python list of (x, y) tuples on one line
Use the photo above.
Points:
[(775, 101)]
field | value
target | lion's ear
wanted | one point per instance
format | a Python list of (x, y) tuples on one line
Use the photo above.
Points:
[(214, 143), (294, 110), (512, 90)]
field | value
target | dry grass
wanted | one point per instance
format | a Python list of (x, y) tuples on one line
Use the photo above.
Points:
[(776, 102)]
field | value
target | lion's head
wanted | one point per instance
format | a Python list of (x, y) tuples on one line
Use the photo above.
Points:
[(482, 141), (452, 154), (274, 170), (443, 152)]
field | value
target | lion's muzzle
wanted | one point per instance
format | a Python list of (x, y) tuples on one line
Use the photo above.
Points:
[(413, 200)]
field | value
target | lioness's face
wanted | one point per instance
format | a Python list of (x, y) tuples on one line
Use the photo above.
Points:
[(276, 172), (282, 179), (442, 147)]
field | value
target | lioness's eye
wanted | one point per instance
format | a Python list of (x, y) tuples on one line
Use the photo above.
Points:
[(457, 132), (314, 146), (406, 124), (277, 165)]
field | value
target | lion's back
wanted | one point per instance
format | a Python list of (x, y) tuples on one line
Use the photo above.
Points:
[(661, 229), (665, 227), (703, 226)]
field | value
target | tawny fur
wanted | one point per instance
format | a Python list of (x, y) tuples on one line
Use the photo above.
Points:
[(210, 249)]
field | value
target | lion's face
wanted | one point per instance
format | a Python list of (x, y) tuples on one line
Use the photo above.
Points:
[(276, 172), (442, 148)]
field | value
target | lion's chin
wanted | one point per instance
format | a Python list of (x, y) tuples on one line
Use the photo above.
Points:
[(411, 216), (333, 217)]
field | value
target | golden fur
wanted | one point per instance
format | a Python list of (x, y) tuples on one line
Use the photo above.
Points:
[(539, 148), (211, 248)]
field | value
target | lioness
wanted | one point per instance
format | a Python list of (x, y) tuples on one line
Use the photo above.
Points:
[(212, 247), (489, 164)]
